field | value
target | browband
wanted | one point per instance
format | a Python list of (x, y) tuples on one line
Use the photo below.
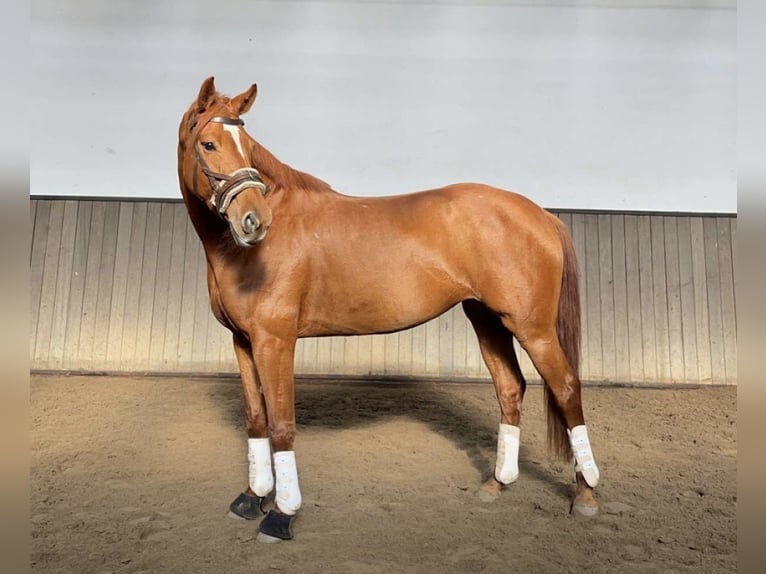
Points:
[(227, 121), (219, 120)]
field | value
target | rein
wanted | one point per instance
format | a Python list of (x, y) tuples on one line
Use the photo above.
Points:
[(225, 187)]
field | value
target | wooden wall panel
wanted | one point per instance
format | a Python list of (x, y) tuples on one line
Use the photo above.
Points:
[(727, 229), (145, 311), (49, 279), (36, 270), (131, 313), (620, 299), (673, 295), (122, 286), (77, 286)]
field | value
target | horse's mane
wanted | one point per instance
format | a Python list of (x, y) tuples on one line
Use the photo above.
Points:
[(282, 174)]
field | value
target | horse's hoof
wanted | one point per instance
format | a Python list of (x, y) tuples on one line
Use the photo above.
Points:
[(246, 507), (486, 496), (490, 490), (585, 510), (277, 526), (266, 539)]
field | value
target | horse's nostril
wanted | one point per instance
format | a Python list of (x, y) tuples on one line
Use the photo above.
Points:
[(250, 222)]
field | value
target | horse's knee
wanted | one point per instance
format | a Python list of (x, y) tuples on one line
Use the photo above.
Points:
[(283, 435)]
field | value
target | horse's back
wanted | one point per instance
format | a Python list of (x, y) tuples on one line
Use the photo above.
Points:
[(460, 208), (474, 220)]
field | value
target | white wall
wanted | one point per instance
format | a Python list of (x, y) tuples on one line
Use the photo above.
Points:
[(584, 105)]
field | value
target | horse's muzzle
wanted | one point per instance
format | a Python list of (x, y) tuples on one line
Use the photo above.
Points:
[(251, 230), (249, 218)]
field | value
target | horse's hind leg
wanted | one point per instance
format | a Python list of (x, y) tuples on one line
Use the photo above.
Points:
[(496, 344), (249, 504), (550, 361)]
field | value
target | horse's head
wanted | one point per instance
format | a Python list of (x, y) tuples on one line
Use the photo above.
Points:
[(214, 165)]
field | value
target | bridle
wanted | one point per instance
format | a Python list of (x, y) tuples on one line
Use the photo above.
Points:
[(226, 187)]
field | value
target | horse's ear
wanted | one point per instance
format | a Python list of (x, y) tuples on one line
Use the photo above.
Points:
[(243, 101), (206, 94)]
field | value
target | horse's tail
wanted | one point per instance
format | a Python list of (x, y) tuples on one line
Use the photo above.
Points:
[(568, 331)]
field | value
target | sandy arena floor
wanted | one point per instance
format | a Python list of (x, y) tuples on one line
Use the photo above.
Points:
[(136, 475)]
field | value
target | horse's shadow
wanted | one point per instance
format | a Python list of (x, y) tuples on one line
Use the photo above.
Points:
[(349, 405)]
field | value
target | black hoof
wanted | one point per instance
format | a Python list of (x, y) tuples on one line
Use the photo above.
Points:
[(277, 525), (247, 507)]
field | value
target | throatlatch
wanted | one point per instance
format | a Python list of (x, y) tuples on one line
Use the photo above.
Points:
[(585, 463), (507, 463)]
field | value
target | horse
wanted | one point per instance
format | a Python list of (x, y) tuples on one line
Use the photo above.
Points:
[(289, 257)]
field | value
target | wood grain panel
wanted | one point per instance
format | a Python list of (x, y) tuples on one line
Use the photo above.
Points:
[(77, 286), (620, 300), (37, 246), (646, 296), (32, 218), (633, 288), (688, 313), (170, 351), (699, 281), (122, 286), (726, 243), (606, 298), (161, 288), (49, 280), (660, 299), (714, 307), (63, 286), (577, 230), (419, 350), (202, 311), (673, 296), (122, 272), (106, 282), (89, 329), (592, 309), (135, 264), (188, 296), (37, 270)]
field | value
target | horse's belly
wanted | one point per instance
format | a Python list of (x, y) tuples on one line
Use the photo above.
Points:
[(377, 309)]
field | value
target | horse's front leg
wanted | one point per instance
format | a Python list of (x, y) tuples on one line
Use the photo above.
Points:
[(274, 357), (249, 504)]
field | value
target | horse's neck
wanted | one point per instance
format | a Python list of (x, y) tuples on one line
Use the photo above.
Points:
[(280, 175), (289, 187)]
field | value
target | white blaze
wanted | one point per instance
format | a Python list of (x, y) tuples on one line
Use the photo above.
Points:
[(234, 131)]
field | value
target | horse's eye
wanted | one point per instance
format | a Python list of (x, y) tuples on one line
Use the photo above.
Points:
[(209, 146)]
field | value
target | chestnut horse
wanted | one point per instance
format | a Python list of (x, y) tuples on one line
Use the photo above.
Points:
[(289, 257)]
